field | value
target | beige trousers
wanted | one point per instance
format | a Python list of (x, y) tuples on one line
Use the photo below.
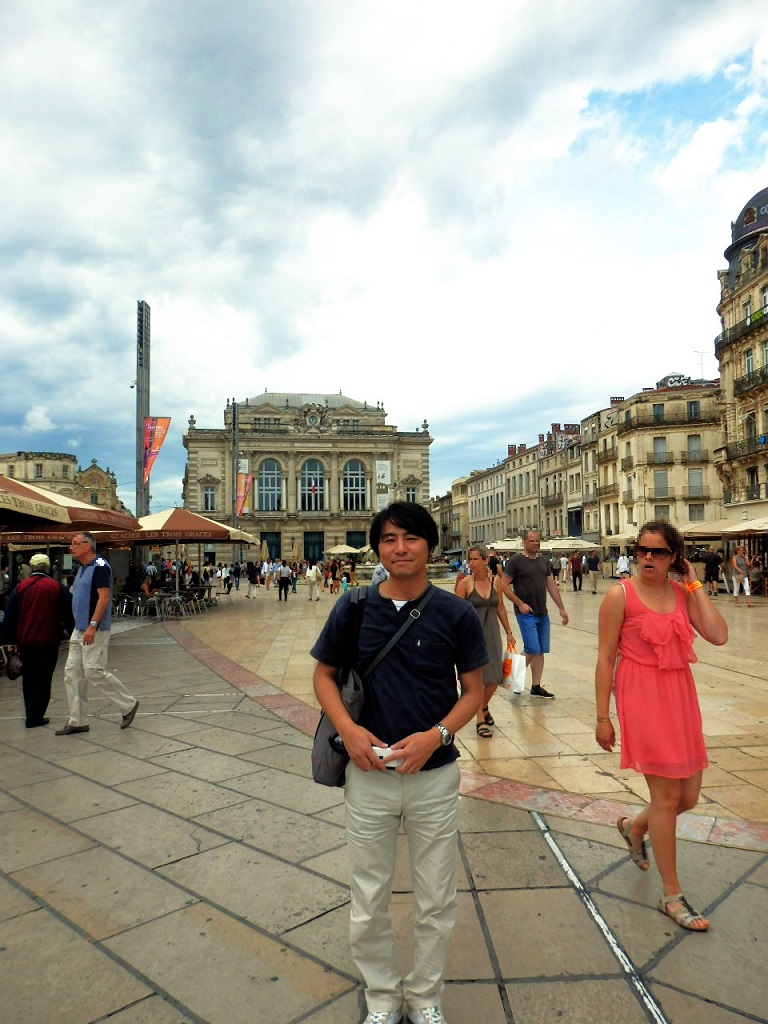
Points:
[(86, 666), (426, 804)]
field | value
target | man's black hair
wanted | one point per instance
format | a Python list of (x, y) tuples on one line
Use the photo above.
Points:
[(408, 516)]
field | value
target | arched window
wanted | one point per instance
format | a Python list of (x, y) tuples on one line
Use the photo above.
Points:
[(270, 485), (353, 486), (312, 486)]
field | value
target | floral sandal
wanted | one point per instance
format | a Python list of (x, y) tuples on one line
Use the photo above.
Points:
[(686, 916), (639, 856)]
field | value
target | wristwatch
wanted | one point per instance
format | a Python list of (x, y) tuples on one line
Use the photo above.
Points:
[(93, 625), (446, 738)]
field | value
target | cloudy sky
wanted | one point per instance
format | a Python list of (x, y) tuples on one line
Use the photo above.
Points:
[(494, 216)]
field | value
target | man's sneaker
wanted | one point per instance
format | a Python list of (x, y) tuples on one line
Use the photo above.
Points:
[(384, 1017), (539, 691), (426, 1015), (127, 719)]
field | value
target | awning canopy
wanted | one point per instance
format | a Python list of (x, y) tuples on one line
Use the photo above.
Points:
[(747, 526), (25, 509), (714, 528)]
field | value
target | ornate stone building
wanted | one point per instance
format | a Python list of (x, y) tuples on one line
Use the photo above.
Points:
[(59, 472), (319, 468), (742, 351)]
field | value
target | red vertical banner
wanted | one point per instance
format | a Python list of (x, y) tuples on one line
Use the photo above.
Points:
[(244, 481), (155, 429)]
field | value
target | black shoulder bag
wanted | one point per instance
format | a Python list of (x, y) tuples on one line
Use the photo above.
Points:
[(329, 759)]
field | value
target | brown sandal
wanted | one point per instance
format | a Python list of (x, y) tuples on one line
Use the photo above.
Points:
[(639, 857)]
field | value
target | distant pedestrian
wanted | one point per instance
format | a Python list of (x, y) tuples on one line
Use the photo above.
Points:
[(594, 568), (531, 579), (314, 578), (38, 617), (622, 567), (89, 643), (712, 568), (576, 572), (283, 580), (252, 574)]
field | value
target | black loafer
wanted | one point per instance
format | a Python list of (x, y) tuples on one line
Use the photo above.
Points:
[(69, 729), (127, 719), (36, 725)]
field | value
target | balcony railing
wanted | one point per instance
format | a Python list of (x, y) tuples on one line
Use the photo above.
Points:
[(671, 418), (628, 497), (739, 330), (552, 499), (589, 498), (662, 494), (752, 493), (696, 493), (750, 380), (695, 455), (627, 462), (749, 446), (660, 458), (606, 454), (607, 490)]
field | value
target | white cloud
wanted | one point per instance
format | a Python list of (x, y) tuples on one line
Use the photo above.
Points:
[(38, 420), (521, 207)]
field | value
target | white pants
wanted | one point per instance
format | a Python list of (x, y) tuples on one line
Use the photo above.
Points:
[(427, 805), (88, 664), (314, 590), (252, 588), (742, 581)]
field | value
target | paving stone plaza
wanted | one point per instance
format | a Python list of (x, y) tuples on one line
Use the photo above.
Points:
[(188, 870)]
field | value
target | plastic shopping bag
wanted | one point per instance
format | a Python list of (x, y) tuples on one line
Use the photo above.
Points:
[(513, 669)]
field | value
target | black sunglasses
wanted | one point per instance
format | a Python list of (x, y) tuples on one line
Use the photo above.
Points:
[(654, 552)]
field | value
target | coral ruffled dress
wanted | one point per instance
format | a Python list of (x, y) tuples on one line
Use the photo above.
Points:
[(661, 732)]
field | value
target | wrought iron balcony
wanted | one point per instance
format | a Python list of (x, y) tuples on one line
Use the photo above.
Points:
[(662, 494), (750, 380), (695, 455), (627, 462), (552, 499), (699, 493), (671, 418), (740, 330), (606, 454), (660, 458), (608, 490), (749, 446)]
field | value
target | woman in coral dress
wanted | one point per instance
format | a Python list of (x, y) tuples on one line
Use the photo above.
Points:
[(646, 634)]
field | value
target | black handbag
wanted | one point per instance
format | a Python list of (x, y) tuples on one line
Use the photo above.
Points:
[(329, 758), (14, 668)]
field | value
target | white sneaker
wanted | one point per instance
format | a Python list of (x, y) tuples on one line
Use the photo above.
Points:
[(426, 1015), (384, 1017)]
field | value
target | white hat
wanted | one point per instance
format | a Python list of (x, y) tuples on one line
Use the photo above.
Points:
[(40, 561)]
